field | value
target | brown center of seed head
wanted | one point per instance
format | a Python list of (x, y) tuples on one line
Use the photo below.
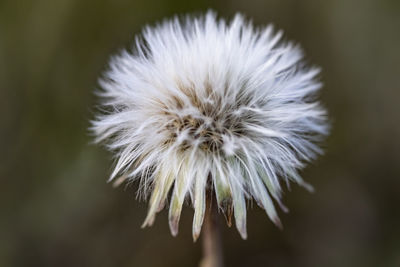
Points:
[(197, 132)]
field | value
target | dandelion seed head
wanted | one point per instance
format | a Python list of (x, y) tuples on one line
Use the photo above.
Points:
[(204, 105)]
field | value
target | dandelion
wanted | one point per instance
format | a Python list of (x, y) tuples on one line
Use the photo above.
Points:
[(203, 107)]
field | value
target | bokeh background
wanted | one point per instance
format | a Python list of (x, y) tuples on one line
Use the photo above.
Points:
[(56, 208)]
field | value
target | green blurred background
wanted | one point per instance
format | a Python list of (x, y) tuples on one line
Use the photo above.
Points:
[(56, 207)]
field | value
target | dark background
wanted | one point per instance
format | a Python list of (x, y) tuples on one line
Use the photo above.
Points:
[(56, 207)]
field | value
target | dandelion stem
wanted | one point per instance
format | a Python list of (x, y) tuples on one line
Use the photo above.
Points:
[(211, 237)]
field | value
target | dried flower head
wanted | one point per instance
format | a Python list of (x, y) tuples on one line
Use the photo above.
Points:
[(202, 105)]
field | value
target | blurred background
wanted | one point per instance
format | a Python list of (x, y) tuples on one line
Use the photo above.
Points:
[(56, 208)]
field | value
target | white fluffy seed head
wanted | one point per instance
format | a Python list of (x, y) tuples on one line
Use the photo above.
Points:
[(205, 105)]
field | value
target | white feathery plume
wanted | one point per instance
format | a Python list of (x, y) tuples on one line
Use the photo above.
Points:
[(202, 105)]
